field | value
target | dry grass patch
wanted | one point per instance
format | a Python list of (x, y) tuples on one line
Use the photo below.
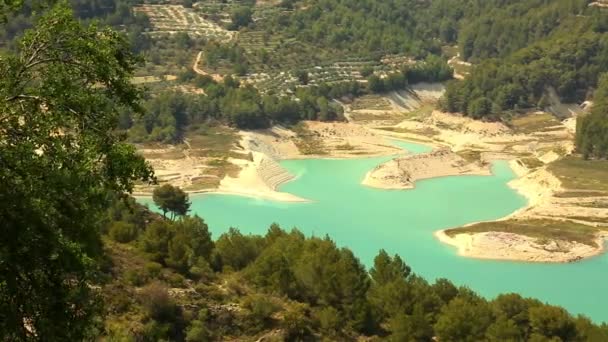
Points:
[(425, 110), (168, 154), (374, 102), (594, 219), (531, 123), (221, 168), (219, 138), (537, 228), (307, 141), (214, 142), (531, 162), (204, 183), (595, 204), (578, 174), (470, 156), (345, 147), (389, 117), (573, 194), (427, 131)]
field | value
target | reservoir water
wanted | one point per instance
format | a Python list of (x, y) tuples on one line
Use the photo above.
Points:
[(367, 220)]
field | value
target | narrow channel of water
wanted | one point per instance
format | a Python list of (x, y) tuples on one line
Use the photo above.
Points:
[(366, 220)]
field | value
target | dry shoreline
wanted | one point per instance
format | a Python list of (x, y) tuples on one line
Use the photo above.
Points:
[(476, 141), (514, 247), (263, 175)]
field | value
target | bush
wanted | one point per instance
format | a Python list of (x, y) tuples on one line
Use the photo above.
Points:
[(329, 320), (153, 269), (197, 332), (261, 308), (136, 277), (296, 323), (176, 280), (122, 232), (201, 271), (155, 331), (157, 302), (367, 71)]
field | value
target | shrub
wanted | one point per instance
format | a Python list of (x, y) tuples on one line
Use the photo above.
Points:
[(153, 269), (157, 302), (201, 271), (329, 320), (122, 232), (296, 323), (176, 280), (261, 308), (197, 332), (136, 277)]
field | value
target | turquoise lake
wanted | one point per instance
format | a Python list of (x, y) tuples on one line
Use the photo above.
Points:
[(367, 220)]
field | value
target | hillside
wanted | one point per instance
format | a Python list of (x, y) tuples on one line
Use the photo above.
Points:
[(169, 280), (100, 100)]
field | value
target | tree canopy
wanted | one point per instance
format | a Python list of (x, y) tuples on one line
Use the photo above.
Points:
[(171, 199), (592, 129), (309, 288), (60, 93)]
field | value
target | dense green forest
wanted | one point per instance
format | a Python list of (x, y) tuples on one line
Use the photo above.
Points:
[(592, 129), (116, 13), (523, 51), (307, 288), (170, 114), (562, 45)]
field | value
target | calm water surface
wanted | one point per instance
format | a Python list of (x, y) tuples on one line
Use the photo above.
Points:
[(366, 220)]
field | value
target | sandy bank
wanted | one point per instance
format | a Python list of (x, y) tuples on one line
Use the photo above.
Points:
[(260, 179), (514, 247), (538, 186), (262, 175), (403, 172)]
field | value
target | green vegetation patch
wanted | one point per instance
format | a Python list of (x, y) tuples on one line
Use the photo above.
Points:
[(461, 68), (537, 228), (578, 174)]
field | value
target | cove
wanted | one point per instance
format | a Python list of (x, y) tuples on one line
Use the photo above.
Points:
[(367, 220)]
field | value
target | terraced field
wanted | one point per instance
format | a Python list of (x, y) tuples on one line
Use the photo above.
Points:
[(329, 73), (171, 19)]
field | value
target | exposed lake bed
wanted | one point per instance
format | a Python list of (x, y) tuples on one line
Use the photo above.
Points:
[(404, 222), (498, 208)]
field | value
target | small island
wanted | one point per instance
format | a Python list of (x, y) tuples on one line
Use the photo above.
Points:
[(403, 172)]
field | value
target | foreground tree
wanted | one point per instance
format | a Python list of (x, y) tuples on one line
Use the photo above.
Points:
[(60, 95), (171, 199)]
